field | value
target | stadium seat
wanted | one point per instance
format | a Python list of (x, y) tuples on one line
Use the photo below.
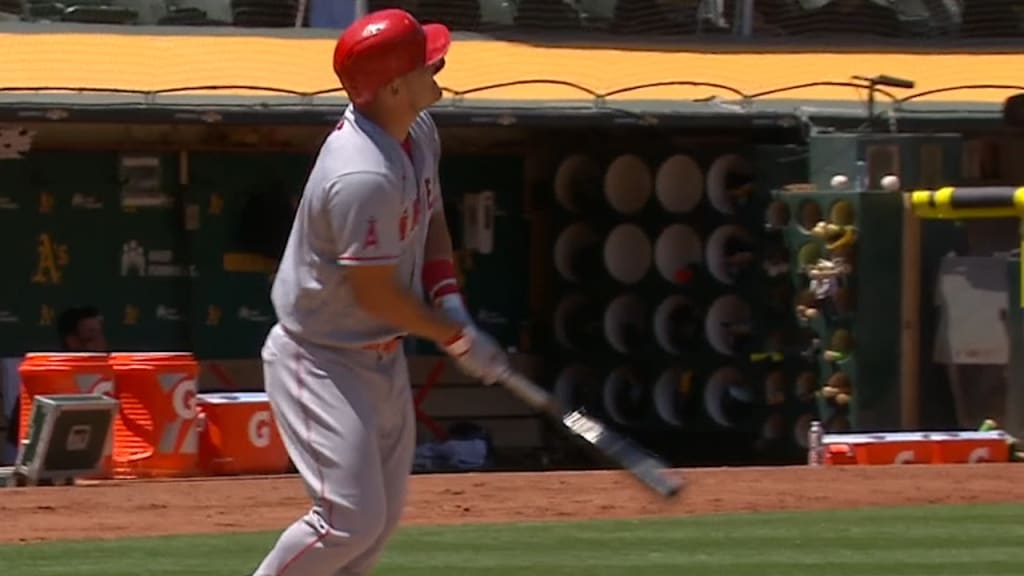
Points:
[(547, 15), (465, 15), (264, 13), (408, 5), (43, 11), (149, 11), (217, 12), (497, 13), (68, 4), (456, 14), (993, 18), (188, 17), (833, 17), (11, 8), (946, 15), (652, 17), (330, 14), (100, 15)]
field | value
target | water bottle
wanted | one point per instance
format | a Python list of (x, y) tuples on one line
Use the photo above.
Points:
[(816, 444)]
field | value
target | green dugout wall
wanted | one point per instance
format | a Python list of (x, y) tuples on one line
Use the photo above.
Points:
[(177, 250)]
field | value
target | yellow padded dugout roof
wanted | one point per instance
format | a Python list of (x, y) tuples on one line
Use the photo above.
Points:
[(147, 62)]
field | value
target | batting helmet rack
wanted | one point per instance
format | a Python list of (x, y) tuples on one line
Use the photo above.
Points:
[(661, 297), (743, 294)]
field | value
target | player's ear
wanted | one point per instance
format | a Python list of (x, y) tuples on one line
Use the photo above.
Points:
[(394, 88)]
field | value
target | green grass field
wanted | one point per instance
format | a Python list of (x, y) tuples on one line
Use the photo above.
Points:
[(921, 541)]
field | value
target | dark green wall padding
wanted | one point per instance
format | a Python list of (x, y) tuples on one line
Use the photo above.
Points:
[(120, 232)]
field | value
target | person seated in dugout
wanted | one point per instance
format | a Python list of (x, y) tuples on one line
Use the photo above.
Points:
[(79, 329)]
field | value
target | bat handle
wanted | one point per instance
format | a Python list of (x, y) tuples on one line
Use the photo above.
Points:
[(529, 392)]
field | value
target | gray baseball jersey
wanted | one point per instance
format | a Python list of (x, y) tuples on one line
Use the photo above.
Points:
[(340, 394), (366, 202)]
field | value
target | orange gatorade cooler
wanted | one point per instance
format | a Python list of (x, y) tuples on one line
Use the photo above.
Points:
[(156, 434), (45, 373), (238, 435), (61, 373), (917, 448), (972, 448)]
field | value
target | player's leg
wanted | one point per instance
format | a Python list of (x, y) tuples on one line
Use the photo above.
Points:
[(397, 440), (329, 427)]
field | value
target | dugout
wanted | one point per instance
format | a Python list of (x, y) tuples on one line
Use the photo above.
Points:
[(153, 179)]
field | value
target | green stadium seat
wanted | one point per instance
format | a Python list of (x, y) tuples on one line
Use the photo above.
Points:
[(188, 17), (651, 17), (264, 14), (547, 15), (497, 13), (100, 15), (216, 12), (456, 14), (829, 18), (43, 11), (993, 18), (149, 11)]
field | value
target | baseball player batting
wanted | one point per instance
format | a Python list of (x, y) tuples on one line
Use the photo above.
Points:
[(368, 262)]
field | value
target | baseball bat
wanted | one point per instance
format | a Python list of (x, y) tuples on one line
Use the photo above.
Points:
[(618, 449)]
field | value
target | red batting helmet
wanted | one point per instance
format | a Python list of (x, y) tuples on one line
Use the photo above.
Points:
[(383, 46)]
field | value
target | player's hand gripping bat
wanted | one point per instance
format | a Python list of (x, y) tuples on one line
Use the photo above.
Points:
[(620, 450)]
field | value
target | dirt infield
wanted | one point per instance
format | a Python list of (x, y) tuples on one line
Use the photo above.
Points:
[(136, 508)]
